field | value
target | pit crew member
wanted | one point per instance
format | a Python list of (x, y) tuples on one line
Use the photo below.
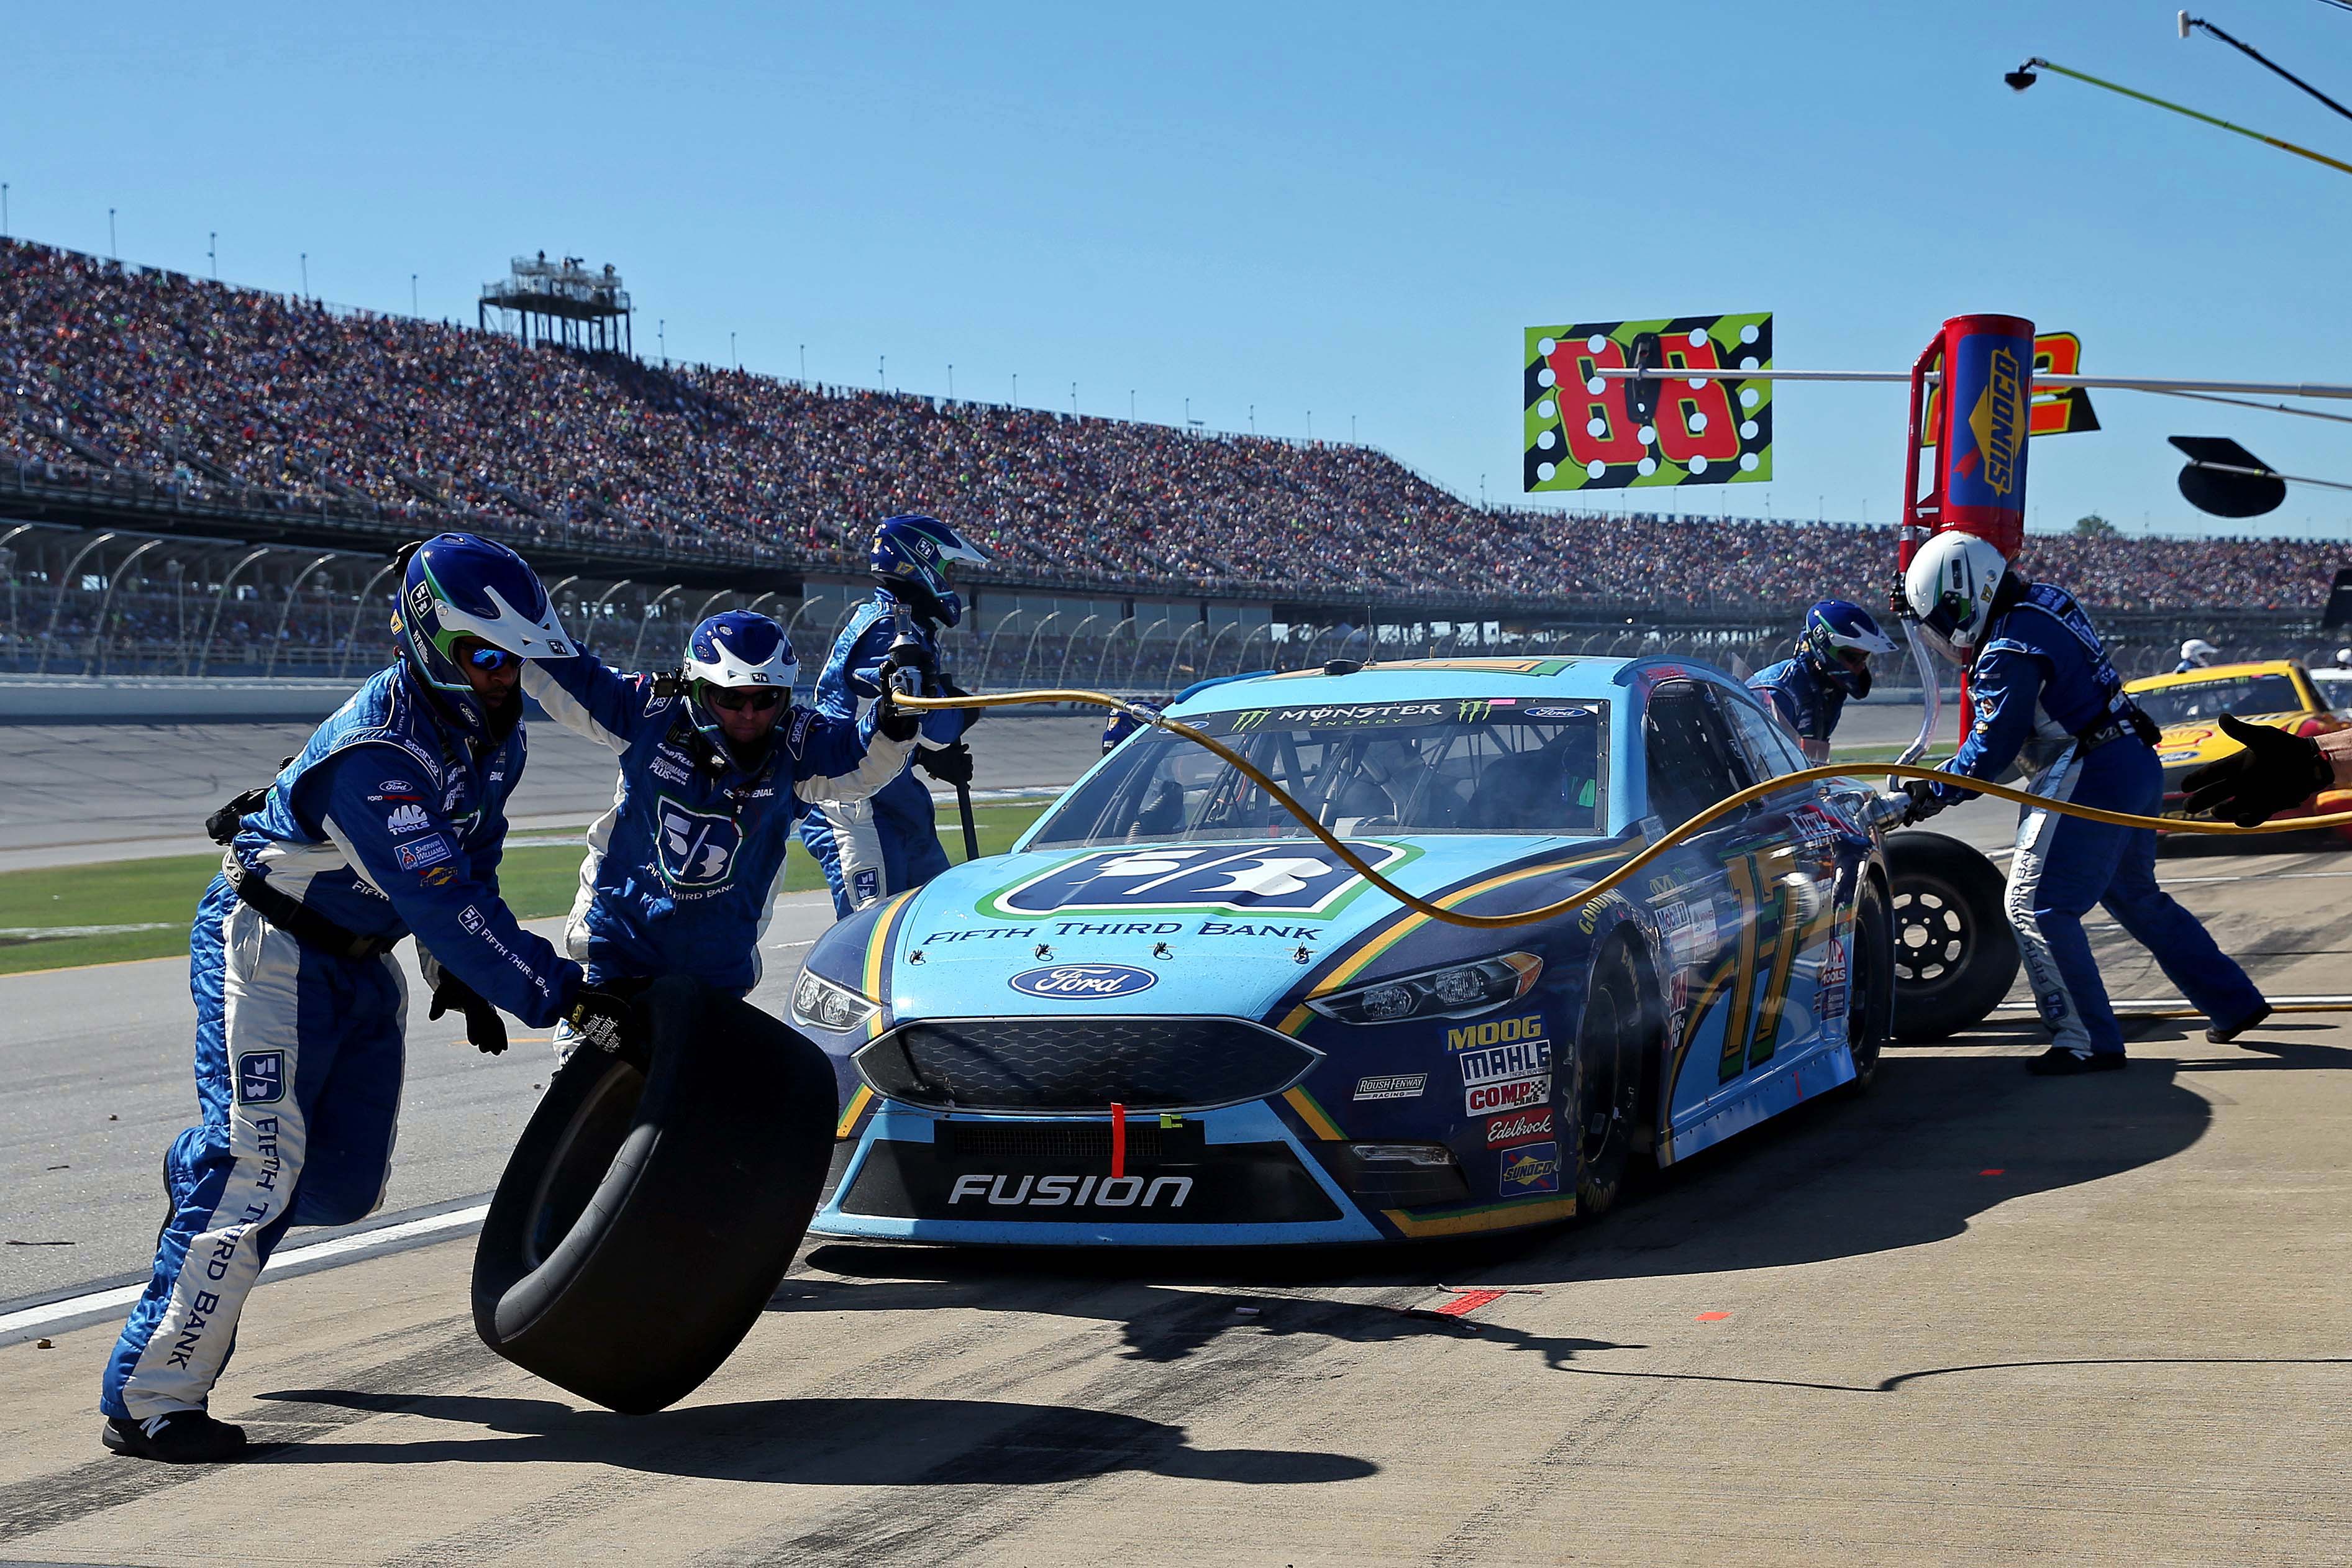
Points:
[(2196, 653), (1831, 663), (889, 841), (390, 821), (2043, 689), (716, 765)]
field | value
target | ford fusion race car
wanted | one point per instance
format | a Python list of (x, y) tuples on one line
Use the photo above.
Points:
[(2276, 692), (1171, 1016)]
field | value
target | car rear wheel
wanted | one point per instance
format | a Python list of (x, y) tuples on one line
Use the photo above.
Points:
[(1869, 1008), (1610, 1041), (1954, 954)]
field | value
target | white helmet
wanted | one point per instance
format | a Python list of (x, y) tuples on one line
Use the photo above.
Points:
[(2198, 652), (1949, 590), (2344, 659), (738, 648)]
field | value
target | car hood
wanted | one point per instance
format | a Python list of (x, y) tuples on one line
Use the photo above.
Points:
[(2203, 740), (1227, 928)]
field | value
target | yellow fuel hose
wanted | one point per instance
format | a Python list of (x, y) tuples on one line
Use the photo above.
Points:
[(1611, 881)]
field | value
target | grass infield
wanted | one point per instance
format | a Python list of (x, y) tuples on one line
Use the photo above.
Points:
[(119, 910)]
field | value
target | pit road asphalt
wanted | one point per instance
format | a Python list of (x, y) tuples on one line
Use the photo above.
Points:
[(1971, 1316)]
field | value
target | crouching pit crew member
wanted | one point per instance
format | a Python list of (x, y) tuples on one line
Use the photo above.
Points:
[(2044, 690), (390, 821), (890, 842), (716, 765), (1808, 692)]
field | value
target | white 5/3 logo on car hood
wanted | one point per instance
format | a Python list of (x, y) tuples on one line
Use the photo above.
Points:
[(1291, 879)]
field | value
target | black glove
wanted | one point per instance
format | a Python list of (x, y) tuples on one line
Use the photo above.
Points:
[(907, 666), (484, 1028), (1924, 802), (602, 1019), (2275, 771), (949, 765)]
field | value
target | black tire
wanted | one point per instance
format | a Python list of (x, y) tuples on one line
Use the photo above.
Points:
[(1611, 1038), (1955, 955), (646, 1216), (1869, 1008)]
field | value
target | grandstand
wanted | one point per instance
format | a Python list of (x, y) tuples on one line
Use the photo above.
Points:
[(171, 442)]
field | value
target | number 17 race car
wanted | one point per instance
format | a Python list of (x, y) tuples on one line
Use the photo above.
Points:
[(1171, 1017)]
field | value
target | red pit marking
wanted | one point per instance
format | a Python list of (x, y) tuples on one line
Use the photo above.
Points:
[(1468, 1301), (1713, 1317), (1992, 1171)]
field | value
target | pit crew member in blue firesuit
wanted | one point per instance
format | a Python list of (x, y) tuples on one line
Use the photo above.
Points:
[(889, 841), (1808, 692), (390, 821), (2045, 690), (716, 766)]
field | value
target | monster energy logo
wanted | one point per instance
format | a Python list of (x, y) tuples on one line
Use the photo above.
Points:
[(1476, 711), (1251, 719)]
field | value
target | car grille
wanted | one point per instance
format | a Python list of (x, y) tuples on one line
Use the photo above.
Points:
[(1049, 1066), (1146, 1140)]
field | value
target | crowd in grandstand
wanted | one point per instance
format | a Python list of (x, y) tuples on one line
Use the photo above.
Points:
[(219, 390)]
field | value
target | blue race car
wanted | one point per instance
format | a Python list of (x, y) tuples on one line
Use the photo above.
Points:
[(1170, 1016)]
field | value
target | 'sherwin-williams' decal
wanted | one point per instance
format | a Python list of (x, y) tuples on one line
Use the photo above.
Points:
[(1304, 878)]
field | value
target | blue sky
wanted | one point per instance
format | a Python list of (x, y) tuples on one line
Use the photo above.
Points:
[(1346, 211)]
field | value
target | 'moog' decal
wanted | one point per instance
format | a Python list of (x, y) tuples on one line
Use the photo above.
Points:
[(1083, 982)]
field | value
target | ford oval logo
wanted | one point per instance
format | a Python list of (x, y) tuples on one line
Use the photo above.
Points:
[(1080, 981)]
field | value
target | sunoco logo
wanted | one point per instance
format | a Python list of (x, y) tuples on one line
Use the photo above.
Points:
[(1081, 982), (1997, 422), (1071, 1192)]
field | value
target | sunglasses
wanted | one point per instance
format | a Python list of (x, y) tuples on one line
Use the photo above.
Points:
[(758, 699)]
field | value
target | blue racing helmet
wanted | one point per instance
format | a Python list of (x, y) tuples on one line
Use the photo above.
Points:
[(1838, 640), (458, 585), (738, 651), (912, 555)]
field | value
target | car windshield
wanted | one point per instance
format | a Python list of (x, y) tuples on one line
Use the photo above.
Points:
[(2239, 694), (1447, 766)]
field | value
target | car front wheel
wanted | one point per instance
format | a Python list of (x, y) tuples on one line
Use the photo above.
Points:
[(1617, 1028)]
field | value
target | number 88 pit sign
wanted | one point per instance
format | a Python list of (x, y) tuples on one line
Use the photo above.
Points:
[(1581, 432)]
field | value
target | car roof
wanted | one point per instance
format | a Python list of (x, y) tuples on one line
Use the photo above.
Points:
[(2215, 672), (1564, 676)]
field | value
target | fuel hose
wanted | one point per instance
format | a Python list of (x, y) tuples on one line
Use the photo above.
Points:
[(1609, 881)]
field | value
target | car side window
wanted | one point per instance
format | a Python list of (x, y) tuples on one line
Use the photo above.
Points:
[(1692, 758), (1769, 746)]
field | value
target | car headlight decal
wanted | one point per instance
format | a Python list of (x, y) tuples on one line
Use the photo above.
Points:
[(1451, 991), (822, 1004)]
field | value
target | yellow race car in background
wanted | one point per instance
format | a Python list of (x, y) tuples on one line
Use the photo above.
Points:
[(2278, 692)]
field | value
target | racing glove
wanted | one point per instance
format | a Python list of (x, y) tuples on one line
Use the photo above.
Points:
[(903, 670), (484, 1028), (602, 1019), (2274, 772), (1924, 802), (949, 765)]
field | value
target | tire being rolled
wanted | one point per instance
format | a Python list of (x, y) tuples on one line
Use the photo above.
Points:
[(1955, 955), (649, 1212)]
